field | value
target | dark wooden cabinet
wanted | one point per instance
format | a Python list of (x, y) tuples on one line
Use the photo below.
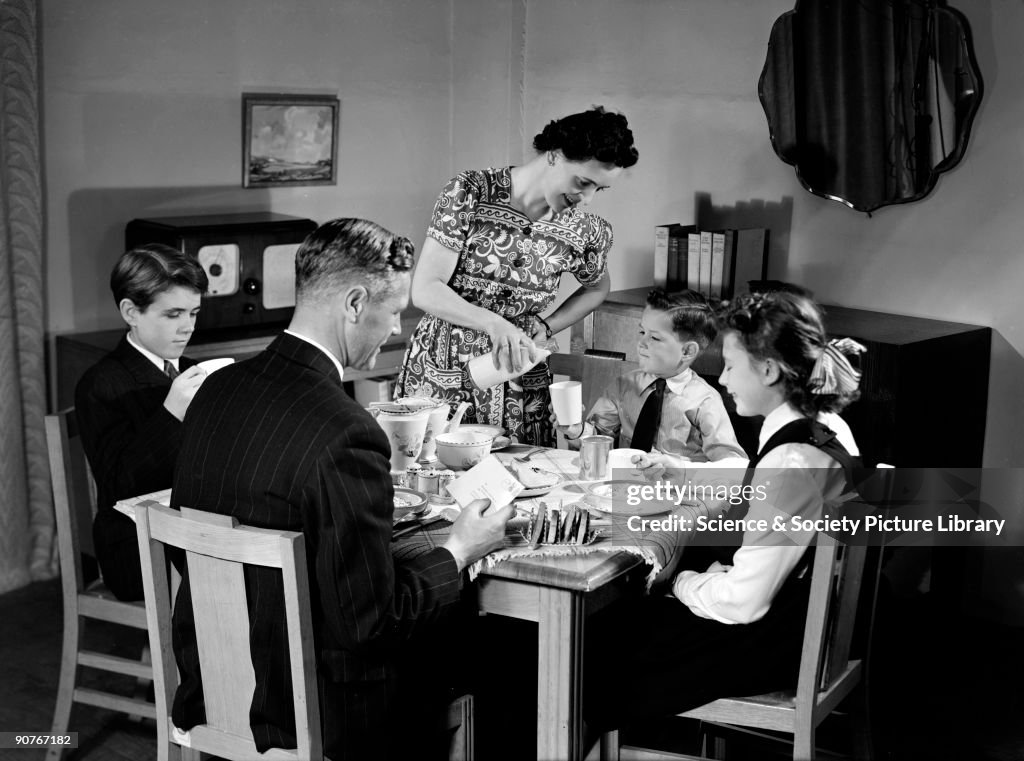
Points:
[(924, 393)]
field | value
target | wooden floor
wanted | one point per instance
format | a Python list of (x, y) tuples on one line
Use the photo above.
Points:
[(955, 689), (30, 642)]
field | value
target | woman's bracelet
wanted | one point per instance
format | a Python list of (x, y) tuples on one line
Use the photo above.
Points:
[(542, 321)]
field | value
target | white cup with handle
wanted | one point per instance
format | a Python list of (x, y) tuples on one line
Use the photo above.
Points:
[(621, 460), (567, 401), (212, 365)]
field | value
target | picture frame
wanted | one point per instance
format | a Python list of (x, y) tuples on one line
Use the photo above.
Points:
[(289, 140)]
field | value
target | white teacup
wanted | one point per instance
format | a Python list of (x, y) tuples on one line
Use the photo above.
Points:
[(567, 402), (622, 459), (212, 365)]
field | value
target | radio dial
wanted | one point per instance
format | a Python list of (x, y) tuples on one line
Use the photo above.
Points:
[(248, 309), (216, 270), (251, 286)]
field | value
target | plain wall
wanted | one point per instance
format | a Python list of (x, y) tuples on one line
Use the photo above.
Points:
[(142, 110)]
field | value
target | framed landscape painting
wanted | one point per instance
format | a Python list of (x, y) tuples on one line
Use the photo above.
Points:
[(289, 140)]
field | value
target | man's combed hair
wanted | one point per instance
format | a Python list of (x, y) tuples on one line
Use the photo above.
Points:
[(787, 326), (145, 271), (692, 316), (590, 135), (350, 250)]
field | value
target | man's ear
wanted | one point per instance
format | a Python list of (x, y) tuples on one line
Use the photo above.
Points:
[(356, 300), (129, 312), (691, 349)]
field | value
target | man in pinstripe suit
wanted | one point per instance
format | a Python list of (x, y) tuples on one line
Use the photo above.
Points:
[(276, 442)]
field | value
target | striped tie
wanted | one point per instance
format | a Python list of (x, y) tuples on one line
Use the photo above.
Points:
[(170, 370)]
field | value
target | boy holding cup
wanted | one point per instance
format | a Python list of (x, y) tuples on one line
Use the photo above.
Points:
[(664, 405)]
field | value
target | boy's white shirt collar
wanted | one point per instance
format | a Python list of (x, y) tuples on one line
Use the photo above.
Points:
[(154, 358), (677, 383), (307, 339)]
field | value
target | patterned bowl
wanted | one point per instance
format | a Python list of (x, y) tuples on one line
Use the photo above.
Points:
[(462, 450)]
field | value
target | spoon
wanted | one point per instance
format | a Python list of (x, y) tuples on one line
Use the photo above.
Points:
[(456, 420)]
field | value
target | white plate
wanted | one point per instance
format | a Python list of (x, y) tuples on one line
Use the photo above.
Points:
[(610, 497), (553, 480), (499, 443)]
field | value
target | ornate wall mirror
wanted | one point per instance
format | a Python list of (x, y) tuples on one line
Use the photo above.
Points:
[(870, 100)]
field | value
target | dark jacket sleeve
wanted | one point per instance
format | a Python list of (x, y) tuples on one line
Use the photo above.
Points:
[(129, 437), (369, 600)]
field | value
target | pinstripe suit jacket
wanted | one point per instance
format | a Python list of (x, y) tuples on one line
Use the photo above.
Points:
[(131, 442), (276, 442)]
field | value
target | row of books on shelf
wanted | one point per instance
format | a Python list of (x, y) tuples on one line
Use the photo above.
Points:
[(717, 263)]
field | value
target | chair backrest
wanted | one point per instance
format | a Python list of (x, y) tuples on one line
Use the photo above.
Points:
[(596, 373), (216, 548), (74, 497), (836, 577)]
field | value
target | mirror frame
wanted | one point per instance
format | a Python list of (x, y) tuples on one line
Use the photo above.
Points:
[(782, 34)]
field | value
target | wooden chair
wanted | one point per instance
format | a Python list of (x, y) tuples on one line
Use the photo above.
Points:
[(216, 548), (827, 673), (74, 497)]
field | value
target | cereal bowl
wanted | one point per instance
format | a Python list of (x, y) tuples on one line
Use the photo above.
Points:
[(408, 502), (461, 450)]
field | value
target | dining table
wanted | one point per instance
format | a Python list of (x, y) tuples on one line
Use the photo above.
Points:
[(558, 587)]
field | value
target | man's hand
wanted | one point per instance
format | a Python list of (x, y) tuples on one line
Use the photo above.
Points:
[(183, 388), (475, 532)]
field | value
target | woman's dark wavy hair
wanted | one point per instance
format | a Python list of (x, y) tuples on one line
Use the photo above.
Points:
[(595, 134), (788, 327), (692, 316)]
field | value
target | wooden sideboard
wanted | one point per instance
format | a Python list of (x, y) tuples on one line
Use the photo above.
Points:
[(924, 393), (77, 352)]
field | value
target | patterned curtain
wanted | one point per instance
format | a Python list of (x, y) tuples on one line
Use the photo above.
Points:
[(27, 546)]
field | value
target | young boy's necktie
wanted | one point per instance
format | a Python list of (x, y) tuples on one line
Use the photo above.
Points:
[(170, 370), (646, 431)]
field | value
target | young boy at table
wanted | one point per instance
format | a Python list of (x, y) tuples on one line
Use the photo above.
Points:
[(664, 405), (131, 403)]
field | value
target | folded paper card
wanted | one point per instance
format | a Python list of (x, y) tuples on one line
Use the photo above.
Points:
[(488, 479)]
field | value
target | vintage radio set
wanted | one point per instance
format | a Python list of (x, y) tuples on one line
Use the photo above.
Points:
[(248, 257)]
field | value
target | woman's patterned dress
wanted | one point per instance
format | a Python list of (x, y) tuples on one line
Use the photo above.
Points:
[(512, 266)]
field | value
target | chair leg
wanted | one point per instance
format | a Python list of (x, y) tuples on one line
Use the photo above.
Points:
[(66, 684), (610, 745), (803, 743), (712, 741), (142, 684), (460, 719)]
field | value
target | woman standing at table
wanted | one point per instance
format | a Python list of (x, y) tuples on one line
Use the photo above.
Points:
[(131, 403), (498, 243)]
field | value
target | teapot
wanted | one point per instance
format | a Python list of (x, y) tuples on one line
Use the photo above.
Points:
[(436, 412)]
